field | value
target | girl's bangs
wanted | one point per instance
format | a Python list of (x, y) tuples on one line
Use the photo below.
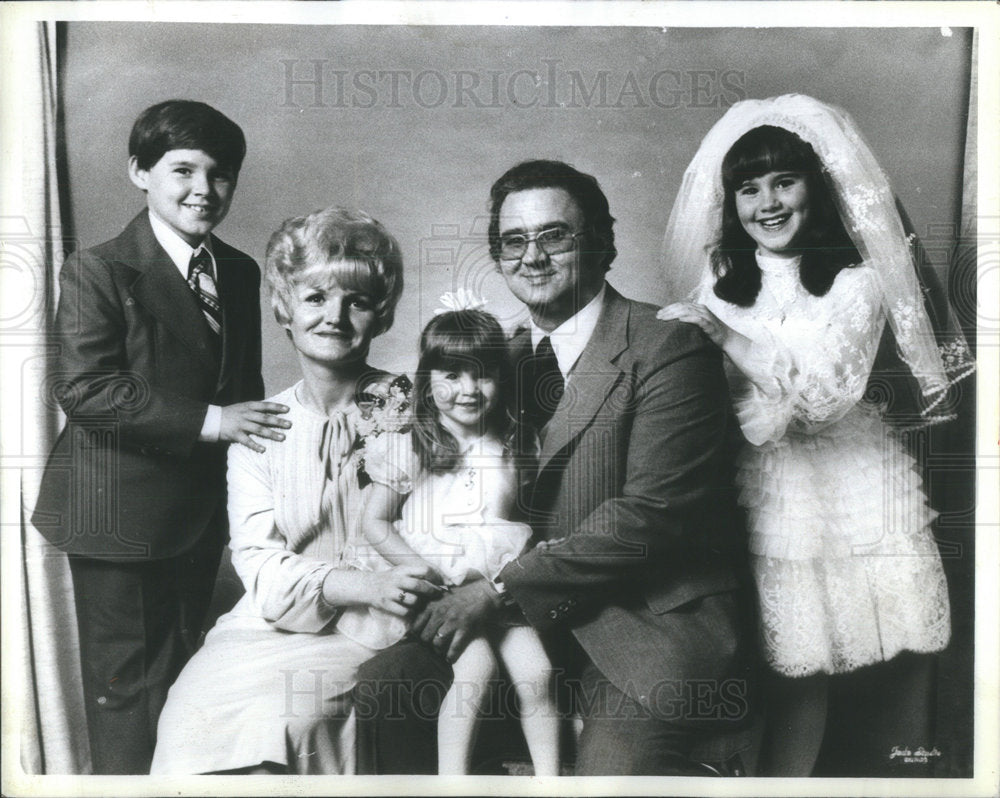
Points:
[(767, 149), (471, 359), (461, 350)]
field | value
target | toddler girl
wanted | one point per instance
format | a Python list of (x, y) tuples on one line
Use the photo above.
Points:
[(444, 495)]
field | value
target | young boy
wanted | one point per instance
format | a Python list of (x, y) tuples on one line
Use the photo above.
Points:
[(158, 340)]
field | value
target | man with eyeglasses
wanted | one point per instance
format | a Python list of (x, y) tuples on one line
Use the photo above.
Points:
[(637, 582)]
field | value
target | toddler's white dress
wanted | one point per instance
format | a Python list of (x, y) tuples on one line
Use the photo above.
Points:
[(846, 567), (452, 520)]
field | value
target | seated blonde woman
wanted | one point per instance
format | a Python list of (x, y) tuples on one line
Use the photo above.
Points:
[(270, 690)]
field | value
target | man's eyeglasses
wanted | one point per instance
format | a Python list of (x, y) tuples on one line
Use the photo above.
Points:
[(552, 241)]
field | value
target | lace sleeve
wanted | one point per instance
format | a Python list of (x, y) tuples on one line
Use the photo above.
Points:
[(766, 364), (816, 371), (761, 382), (833, 370)]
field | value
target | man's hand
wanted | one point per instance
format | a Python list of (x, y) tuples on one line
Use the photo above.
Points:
[(241, 421), (450, 622)]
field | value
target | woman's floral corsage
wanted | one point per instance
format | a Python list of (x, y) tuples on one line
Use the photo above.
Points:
[(385, 407)]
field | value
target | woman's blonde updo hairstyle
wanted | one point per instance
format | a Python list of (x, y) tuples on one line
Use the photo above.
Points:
[(359, 251)]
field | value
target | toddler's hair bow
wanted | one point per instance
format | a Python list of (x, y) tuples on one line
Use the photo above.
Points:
[(462, 299)]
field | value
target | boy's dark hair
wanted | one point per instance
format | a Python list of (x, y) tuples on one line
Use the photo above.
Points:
[(461, 340), (825, 246), (583, 188), (186, 125)]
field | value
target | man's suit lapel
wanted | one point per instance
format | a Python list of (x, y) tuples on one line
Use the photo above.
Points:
[(592, 380), (160, 289)]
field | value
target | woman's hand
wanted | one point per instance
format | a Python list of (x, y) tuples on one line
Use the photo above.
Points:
[(400, 589), (694, 313)]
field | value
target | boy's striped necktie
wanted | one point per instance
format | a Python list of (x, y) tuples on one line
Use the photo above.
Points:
[(201, 282)]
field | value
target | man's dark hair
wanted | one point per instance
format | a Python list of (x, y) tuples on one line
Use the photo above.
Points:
[(186, 125), (583, 188)]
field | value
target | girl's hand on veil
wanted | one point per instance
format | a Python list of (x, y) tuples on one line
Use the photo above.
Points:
[(402, 588), (693, 313)]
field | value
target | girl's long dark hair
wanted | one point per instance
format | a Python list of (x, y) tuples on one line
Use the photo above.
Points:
[(825, 246), (460, 340)]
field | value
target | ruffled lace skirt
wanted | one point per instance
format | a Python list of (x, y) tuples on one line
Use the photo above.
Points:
[(847, 570)]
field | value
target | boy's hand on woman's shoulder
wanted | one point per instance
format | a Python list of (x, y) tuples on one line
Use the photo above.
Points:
[(262, 419)]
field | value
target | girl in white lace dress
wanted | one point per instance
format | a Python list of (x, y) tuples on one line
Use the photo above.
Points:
[(801, 267), (444, 496)]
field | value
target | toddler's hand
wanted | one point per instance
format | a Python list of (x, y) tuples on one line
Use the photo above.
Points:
[(694, 313), (242, 420)]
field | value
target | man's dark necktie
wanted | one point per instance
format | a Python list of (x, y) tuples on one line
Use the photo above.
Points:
[(201, 282), (543, 385)]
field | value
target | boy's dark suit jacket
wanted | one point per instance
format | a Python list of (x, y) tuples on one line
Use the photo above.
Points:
[(642, 541), (137, 367)]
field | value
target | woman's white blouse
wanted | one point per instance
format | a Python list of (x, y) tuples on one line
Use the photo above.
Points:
[(292, 511)]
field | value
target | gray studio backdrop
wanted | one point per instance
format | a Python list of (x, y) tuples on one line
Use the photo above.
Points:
[(414, 123)]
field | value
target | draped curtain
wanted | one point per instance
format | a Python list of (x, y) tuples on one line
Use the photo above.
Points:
[(45, 686)]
